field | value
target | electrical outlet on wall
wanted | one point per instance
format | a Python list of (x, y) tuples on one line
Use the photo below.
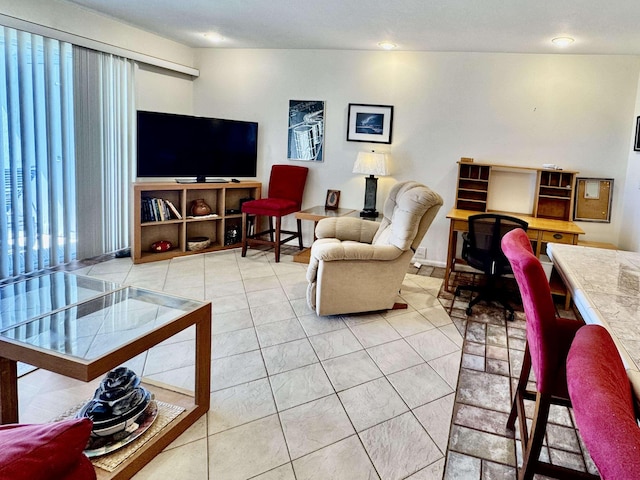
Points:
[(421, 252)]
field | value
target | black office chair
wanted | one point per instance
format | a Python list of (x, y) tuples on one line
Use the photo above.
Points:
[(481, 250)]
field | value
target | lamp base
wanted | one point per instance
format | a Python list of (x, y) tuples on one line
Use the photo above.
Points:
[(369, 214)]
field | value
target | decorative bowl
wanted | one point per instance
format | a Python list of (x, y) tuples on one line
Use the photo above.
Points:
[(198, 243), (161, 246)]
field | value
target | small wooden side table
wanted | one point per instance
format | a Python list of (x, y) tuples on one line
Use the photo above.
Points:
[(316, 214)]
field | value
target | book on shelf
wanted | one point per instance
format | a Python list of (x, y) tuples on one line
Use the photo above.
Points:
[(158, 210), (174, 210)]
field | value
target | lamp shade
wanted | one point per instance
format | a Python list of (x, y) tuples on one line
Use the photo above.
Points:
[(372, 163)]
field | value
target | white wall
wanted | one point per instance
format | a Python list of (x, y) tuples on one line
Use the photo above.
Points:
[(159, 90), (630, 228), (507, 108)]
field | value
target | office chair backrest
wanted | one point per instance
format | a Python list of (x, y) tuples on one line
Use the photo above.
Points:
[(483, 241), (542, 334), (287, 182)]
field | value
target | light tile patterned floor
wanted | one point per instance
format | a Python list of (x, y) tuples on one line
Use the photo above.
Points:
[(294, 396)]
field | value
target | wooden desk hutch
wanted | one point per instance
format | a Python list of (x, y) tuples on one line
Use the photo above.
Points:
[(550, 219)]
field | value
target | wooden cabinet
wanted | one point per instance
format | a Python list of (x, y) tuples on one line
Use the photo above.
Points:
[(553, 196), (222, 227)]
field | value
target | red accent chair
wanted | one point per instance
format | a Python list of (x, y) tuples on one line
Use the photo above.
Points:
[(603, 404), (548, 342), (286, 187)]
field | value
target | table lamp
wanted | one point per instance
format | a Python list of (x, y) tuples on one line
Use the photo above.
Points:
[(371, 163)]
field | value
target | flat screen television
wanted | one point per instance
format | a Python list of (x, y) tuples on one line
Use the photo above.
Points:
[(191, 148)]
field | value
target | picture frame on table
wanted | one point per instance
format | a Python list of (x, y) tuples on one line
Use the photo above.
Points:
[(369, 123), (636, 143), (333, 199)]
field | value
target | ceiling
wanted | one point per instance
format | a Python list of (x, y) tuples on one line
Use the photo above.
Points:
[(519, 26)]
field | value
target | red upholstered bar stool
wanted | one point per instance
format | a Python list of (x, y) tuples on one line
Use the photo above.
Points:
[(286, 187), (548, 342), (603, 404)]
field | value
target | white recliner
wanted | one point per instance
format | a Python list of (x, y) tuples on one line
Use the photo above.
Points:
[(358, 265)]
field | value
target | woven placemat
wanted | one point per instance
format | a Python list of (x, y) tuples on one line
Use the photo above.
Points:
[(109, 462)]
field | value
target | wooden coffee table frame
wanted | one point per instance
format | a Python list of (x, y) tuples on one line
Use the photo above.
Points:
[(87, 370)]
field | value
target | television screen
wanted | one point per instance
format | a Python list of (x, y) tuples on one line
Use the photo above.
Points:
[(171, 145)]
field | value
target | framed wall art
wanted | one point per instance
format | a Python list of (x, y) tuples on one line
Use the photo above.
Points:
[(636, 143), (369, 123), (306, 130)]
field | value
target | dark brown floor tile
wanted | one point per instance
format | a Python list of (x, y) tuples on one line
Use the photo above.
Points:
[(499, 367), (484, 390), (483, 419), (461, 466), (474, 348), (497, 471), (483, 445)]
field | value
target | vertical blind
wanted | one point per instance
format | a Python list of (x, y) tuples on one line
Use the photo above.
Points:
[(105, 121), (38, 224)]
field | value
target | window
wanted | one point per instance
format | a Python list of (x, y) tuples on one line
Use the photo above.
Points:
[(38, 225)]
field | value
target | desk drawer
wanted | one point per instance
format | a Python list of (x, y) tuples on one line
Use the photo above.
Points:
[(558, 237)]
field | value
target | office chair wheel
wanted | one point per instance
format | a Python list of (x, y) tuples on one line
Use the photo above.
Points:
[(469, 311), (509, 316)]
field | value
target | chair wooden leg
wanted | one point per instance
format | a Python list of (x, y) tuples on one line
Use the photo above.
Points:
[(521, 387), (277, 239), (244, 234), (299, 233), (531, 453)]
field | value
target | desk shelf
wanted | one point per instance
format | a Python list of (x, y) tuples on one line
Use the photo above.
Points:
[(473, 187), (553, 195)]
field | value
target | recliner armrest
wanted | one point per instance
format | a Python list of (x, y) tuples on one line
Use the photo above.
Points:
[(331, 249), (347, 228)]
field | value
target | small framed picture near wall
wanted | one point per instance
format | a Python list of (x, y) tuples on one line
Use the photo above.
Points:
[(636, 143), (369, 123), (333, 198)]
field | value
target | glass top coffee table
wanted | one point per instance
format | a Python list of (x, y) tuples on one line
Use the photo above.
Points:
[(82, 327)]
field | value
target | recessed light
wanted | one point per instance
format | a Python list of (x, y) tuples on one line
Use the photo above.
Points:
[(387, 45), (562, 41), (213, 37)]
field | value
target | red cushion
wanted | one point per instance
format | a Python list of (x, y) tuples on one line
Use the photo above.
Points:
[(273, 207), (602, 404), (46, 451)]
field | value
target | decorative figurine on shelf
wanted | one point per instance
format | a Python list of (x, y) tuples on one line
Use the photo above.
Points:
[(199, 207), (161, 246), (117, 403)]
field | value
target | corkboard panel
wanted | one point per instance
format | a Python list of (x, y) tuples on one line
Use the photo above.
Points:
[(593, 199)]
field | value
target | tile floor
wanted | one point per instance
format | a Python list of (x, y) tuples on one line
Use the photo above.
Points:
[(480, 445), (294, 396)]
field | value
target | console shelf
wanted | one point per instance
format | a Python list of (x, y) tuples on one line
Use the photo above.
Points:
[(223, 198)]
